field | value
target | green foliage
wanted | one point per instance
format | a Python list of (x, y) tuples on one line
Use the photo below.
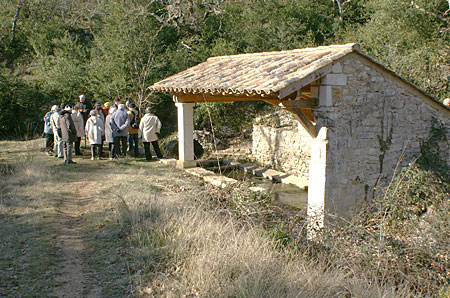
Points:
[(408, 40), (410, 196), (19, 116), (225, 118), (430, 157), (63, 74), (109, 48)]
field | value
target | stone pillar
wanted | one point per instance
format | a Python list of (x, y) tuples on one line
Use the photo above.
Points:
[(317, 203), (322, 173), (185, 135)]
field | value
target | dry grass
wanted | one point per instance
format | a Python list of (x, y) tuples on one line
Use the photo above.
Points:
[(154, 231), (187, 247)]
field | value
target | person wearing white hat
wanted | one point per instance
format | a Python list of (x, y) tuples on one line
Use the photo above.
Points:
[(56, 127)]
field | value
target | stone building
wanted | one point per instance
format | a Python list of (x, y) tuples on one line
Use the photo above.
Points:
[(357, 118)]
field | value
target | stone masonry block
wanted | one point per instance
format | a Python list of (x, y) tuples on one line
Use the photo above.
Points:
[(325, 96), (335, 80), (337, 68)]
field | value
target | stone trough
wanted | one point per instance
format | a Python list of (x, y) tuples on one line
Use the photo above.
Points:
[(285, 188)]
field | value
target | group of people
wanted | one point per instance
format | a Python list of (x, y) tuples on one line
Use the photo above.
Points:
[(119, 125)]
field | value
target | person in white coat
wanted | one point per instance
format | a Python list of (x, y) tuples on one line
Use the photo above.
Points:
[(108, 132), (77, 118), (95, 129), (58, 149), (149, 131)]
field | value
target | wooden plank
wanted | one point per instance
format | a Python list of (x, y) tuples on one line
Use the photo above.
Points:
[(305, 81), (189, 98), (304, 121), (300, 103), (301, 116), (308, 113)]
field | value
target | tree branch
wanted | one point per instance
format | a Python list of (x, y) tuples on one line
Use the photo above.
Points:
[(413, 4), (16, 17)]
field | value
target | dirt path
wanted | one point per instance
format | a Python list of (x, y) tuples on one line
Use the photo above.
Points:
[(70, 241)]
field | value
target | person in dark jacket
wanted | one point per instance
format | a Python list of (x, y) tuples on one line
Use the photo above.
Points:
[(69, 133), (133, 129), (86, 107)]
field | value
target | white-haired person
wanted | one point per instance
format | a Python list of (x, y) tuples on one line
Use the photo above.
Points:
[(77, 118), (86, 106), (95, 129), (56, 127), (149, 131), (447, 102), (108, 132), (119, 122), (68, 133)]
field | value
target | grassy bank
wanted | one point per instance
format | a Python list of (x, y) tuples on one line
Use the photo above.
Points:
[(150, 230)]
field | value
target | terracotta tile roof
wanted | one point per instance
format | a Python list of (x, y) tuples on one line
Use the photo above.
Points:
[(260, 74)]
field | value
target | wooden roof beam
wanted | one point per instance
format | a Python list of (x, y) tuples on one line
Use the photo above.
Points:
[(307, 124), (189, 98), (304, 121), (299, 103)]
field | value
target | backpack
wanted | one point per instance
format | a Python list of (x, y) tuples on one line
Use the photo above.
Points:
[(136, 120)]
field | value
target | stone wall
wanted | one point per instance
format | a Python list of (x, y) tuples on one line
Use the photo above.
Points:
[(371, 117), (281, 143)]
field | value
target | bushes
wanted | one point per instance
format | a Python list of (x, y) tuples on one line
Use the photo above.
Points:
[(22, 107), (400, 238)]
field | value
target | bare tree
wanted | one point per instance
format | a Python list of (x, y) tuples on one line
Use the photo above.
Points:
[(340, 4), (16, 17), (435, 15)]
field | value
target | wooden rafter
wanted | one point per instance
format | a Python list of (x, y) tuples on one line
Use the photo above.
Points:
[(304, 121), (300, 103), (299, 114)]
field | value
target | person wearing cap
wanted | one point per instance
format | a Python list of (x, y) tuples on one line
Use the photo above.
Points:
[(95, 130), (48, 131), (133, 130), (98, 107), (117, 102), (77, 118), (149, 131), (55, 123), (447, 102), (86, 107), (106, 107), (119, 125), (108, 132), (68, 132)]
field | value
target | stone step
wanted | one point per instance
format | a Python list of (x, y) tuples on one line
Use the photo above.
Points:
[(262, 172), (211, 177), (199, 172), (220, 181), (300, 182), (169, 161), (222, 168)]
